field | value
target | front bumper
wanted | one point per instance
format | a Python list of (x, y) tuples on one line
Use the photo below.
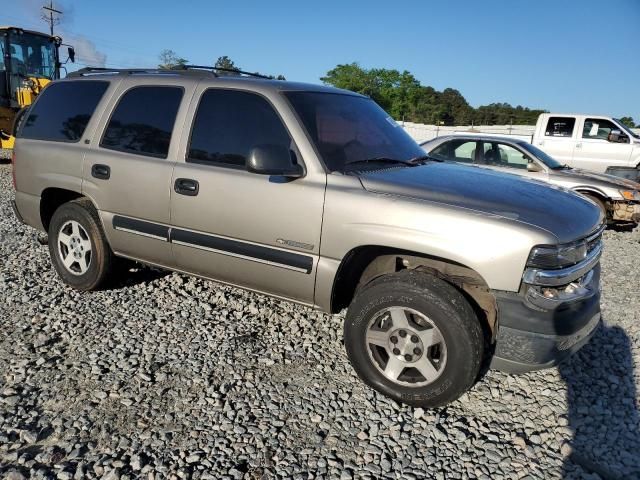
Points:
[(536, 333)]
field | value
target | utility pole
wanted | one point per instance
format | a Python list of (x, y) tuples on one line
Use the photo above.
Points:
[(50, 19)]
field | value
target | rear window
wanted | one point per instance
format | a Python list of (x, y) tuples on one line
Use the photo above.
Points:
[(63, 111), (560, 127), (143, 121)]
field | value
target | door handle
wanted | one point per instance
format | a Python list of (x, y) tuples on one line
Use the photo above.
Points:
[(102, 172), (578, 145), (186, 186)]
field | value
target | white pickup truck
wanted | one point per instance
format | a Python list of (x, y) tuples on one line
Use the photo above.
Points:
[(592, 142)]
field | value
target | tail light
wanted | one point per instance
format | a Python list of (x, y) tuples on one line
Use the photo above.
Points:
[(13, 168)]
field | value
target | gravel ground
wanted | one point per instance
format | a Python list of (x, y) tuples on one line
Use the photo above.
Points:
[(166, 376)]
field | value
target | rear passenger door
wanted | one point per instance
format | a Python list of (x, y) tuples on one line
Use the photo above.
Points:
[(128, 167), (257, 231), (560, 138)]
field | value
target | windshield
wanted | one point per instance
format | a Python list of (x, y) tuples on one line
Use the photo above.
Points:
[(32, 55), (626, 129), (543, 157), (348, 128)]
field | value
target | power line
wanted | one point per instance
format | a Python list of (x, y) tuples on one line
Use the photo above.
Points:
[(52, 21)]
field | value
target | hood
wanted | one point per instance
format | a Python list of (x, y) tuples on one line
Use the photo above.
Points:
[(566, 215), (608, 180)]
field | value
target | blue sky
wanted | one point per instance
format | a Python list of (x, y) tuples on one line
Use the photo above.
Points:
[(573, 55)]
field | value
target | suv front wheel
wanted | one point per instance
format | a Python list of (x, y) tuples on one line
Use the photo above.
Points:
[(414, 338), (78, 247)]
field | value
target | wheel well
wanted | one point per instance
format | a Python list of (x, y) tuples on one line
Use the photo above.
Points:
[(363, 264), (51, 199)]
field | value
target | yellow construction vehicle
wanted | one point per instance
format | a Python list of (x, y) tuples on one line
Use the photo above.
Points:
[(28, 62)]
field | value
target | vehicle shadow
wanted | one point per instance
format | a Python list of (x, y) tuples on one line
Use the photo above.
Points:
[(131, 274), (603, 408)]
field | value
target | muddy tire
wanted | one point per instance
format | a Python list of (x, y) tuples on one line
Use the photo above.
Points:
[(414, 338), (78, 247)]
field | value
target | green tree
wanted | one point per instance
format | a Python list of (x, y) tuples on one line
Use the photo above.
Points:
[(404, 98), (628, 121), (169, 58), (226, 63)]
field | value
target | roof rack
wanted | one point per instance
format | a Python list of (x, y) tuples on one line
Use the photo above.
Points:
[(196, 70), (218, 69)]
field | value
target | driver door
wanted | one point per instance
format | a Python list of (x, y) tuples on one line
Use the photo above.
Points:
[(256, 231)]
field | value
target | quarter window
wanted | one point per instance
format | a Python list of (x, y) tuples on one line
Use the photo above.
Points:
[(229, 124), (63, 111), (456, 150), (143, 120), (598, 128), (560, 127)]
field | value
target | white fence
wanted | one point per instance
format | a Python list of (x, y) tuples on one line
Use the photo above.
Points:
[(421, 132)]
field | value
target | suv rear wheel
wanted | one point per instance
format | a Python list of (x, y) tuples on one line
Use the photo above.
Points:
[(414, 338), (78, 247)]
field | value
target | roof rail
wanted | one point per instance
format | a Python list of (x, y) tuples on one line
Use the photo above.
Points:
[(196, 70), (87, 71), (218, 69)]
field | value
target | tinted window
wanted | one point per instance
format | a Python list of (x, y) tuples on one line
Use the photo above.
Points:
[(350, 128), (228, 124), (456, 150), (560, 127), (63, 111), (143, 121)]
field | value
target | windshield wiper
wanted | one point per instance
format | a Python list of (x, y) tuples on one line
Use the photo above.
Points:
[(422, 159), (379, 160)]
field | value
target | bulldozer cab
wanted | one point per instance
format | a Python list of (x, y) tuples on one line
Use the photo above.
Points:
[(28, 62), (29, 59)]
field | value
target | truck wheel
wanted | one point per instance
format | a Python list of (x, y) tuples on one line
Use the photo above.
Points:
[(414, 338), (78, 247)]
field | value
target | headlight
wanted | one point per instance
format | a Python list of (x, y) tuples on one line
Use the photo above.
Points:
[(630, 194), (557, 256)]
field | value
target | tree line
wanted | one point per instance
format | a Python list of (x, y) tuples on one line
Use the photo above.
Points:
[(404, 97)]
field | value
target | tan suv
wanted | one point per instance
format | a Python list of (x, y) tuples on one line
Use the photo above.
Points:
[(313, 195)]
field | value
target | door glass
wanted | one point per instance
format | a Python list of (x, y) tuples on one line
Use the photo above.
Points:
[(229, 124), (560, 127), (598, 128), (499, 154), (456, 150), (143, 121)]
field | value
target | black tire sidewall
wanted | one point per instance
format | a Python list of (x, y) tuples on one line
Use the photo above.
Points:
[(100, 257), (449, 311)]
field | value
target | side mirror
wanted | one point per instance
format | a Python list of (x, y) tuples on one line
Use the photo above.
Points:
[(533, 167), (72, 54), (274, 160), (616, 136)]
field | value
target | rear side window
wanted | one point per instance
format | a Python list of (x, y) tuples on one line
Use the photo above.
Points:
[(229, 123), (63, 111), (143, 120), (560, 127), (456, 150)]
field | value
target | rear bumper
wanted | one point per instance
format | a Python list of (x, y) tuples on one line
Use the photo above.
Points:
[(533, 336)]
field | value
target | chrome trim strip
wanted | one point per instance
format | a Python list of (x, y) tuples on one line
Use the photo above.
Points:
[(562, 276)]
